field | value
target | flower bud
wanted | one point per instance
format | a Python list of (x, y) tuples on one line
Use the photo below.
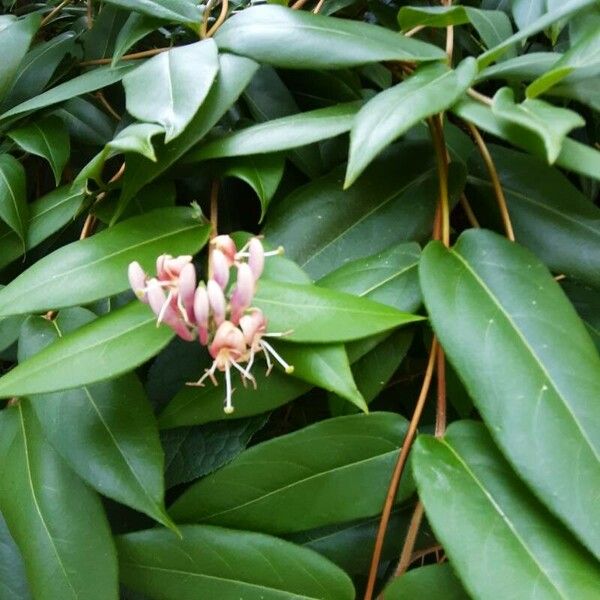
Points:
[(201, 309), (187, 287), (253, 325), (137, 280), (256, 257), (174, 266), (219, 267), (216, 300), (230, 339), (243, 292), (227, 246)]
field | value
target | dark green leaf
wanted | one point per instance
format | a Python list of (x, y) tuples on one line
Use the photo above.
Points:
[(98, 42), (13, 582), (478, 507), (507, 317), (526, 12), (135, 28), (391, 113), (266, 568), (315, 314), (434, 582), (87, 124), (586, 301), (174, 11), (47, 138), (14, 210), (106, 432), (123, 339), (99, 264), (270, 486), (57, 522), (282, 37), (173, 102)]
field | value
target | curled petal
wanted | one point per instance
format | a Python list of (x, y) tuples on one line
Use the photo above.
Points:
[(228, 344), (156, 297), (243, 292), (253, 325), (187, 287), (137, 280), (256, 257), (174, 266), (216, 300), (226, 245), (161, 272), (219, 267)]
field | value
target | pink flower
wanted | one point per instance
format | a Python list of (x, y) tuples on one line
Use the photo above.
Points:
[(227, 246), (137, 281), (201, 311), (243, 292), (219, 267), (165, 307), (216, 300)]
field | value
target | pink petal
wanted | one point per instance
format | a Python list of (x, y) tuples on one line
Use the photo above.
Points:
[(156, 296), (137, 280), (216, 299), (201, 306), (228, 337), (243, 292), (174, 266), (219, 267), (226, 245), (253, 325), (256, 257), (187, 287)]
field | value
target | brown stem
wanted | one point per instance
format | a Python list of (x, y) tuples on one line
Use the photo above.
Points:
[(214, 219), (113, 113), (469, 211), (410, 539), (440, 410), (437, 135), (132, 56), (298, 4), (414, 30), (496, 185), (89, 17), (220, 19), (398, 470), (318, 7), (53, 12), (479, 96)]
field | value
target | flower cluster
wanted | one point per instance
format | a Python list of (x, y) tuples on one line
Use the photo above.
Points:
[(218, 314)]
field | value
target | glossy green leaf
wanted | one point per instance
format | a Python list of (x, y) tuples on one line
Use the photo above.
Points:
[(385, 206), (9, 330), (56, 520), (270, 486), (110, 346), (14, 43), (37, 67), (574, 156), (263, 172), (549, 214), (586, 301), (315, 314), (508, 316), (391, 113), (14, 210), (525, 67), (267, 568), (13, 582), (234, 74), (282, 134), (564, 10), (87, 124), (526, 12), (173, 101), (173, 11), (191, 452), (548, 124), (47, 138), (99, 264), (106, 432), (434, 582), (83, 84), (135, 28), (282, 37), (46, 216), (478, 507)]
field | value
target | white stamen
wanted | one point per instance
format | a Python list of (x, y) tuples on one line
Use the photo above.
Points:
[(164, 307), (268, 348), (228, 408), (207, 373), (245, 375)]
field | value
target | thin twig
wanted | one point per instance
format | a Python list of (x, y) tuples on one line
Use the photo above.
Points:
[(220, 19), (437, 135), (440, 410), (89, 17), (132, 56), (107, 106), (410, 539), (414, 30), (479, 96), (469, 211), (205, 16), (496, 185), (214, 219), (398, 470), (318, 7), (53, 12), (298, 4)]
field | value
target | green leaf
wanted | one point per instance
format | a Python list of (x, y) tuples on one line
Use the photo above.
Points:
[(195, 406), (106, 432), (191, 452), (99, 264), (172, 11), (574, 156), (282, 134), (508, 317), (432, 89), (282, 37), (386, 206), (46, 216), (549, 214), (526, 12), (586, 301), (478, 507), (268, 568), (263, 172), (14, 43), (173, 101), (37, 67), (56, 520), (9, 330), (13, 582), (525, 67), (434, 582), (83, 84), (14, 210), (234, 74), (87, 124), (270, 486), (110, 346), (315, 314), (135, 28), (548, 124), (47, 138), (565, 10)]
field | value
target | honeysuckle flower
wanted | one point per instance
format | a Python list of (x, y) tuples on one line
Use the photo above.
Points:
[(169, 268), (201, 311), (216, 301), (227, 246), (219, 267), (166, 309), (137, 281), (243, 292), (256, 257)]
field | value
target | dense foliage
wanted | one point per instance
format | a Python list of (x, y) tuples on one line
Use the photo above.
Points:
[(430, 424)]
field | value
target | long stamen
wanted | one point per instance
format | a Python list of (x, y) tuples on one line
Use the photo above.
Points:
[(207, 373), (228, 408), (250, 363), (245, 375), (164, 308), (182, 310), (267, 359), (288, 368)]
